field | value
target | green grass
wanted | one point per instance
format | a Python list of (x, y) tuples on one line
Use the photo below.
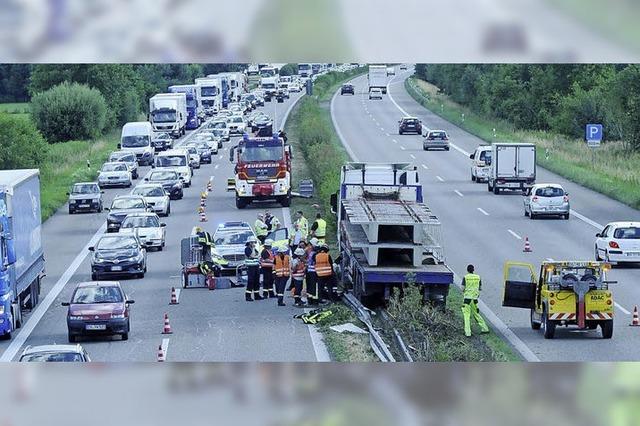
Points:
[(612, 171), (346, 347), (66, 164), (20, 109)]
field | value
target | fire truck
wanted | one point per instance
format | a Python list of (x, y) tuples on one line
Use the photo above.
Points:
[(262, 170)]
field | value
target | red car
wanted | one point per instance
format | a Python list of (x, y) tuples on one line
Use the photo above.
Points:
[(98, 308)]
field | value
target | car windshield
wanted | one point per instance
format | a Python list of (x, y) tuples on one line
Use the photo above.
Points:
[(156, 176), (164, 116), (236, 119), (629, 233), (136, 141), (97, 294), (485, 156), (269, 86), (52, 357), (141, 222), (117, 243), (149, 191), (171, 161), (208, 91), (410, 121), (218, 125), (161, 136), (549, 191), (82, 188), (192, 150), (125, 158), (113, 167), (231, 237), (437, 135), (127, 203), (267, 153)]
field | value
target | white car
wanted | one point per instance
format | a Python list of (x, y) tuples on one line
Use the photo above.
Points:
[(375, 93), (220, 128), (55, 353), (236, 109), (619, 242), (481, 163), (236, 124), (212, 142), (147, 227), (295, 87), (194, 157), (114, 174), (155, 196), (546, 199), (129, 158), (223, 114)]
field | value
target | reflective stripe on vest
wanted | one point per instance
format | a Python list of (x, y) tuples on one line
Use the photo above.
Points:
[(252, 260), (282, 266), (321, 230), (267, 263), (471, 286), (323, 267), (298, 271)]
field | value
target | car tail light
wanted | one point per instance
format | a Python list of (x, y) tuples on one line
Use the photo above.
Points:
[(566, 198), (614, 245), (535, 199)]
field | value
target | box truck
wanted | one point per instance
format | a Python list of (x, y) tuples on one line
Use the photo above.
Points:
[(210, 94), (513, 166), (378, 77), (193, 104), (168, 113)]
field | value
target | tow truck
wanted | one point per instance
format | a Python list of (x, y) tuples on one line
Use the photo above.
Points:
[(262, 171), (565, 293)]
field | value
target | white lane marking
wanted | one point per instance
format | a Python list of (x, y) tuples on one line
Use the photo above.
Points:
[(502, 328), (621, 308), (216, 166), (402, 147), (382, 129), (388, 134), (177, 294), (413, 156), (41, 309), (587, 220), (483, 212), (424, 166), (393, 100), (458, 192), (165, 347), (395, 140), (457, 148), (514, 234), (439, 178)]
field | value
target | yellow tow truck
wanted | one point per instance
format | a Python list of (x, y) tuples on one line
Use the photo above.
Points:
[(565, 293)]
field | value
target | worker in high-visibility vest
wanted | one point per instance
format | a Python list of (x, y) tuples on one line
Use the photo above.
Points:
[(324, 272), (311, 277), (272, 222), (251, 261), (298, 268), (266, 269), (282, 270), (319, 228), (261, 228), (303, 224), (471, 286)]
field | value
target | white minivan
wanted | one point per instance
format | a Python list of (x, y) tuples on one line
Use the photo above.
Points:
[(178, 160), (136, 138)]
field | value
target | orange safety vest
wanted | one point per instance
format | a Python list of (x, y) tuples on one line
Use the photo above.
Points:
[(267, 263), (323, 267), (282, 266), (298, 271)]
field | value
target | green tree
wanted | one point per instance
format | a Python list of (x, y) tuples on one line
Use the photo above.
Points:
[(21, 145), (289, 69), (69, 111)]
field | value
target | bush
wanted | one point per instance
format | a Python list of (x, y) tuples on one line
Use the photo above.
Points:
[(21, 145), (69, 111)]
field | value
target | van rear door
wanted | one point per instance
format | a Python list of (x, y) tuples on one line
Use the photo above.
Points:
[(506, 161), (526, 162)]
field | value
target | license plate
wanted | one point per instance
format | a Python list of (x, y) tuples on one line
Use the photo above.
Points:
[(633, 253), (96, 326), (116, 268), (83, 206)]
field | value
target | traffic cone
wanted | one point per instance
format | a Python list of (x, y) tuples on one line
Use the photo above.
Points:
[(167, 326), (203, 202), (635, 322), (174, 297), (203, 195), (160, 354), (527, 246), (209, 186), (203, 215)]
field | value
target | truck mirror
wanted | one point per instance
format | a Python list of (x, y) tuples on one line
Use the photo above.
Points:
[(119, 146), (68, 193), (11, 252), (92, 248)]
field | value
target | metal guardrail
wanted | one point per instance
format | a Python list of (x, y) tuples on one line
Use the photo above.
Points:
[(402, 347), (378, 345)]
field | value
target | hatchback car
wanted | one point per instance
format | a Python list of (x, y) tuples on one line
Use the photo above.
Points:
[(85, 197), (437, 139), (162, 141), (546, 199), (409, 125), (147, 227), (170, 181), (155, 196), (121, 206), (619, 242), (114, 174), (203, 149), (213, 142), (98, 308), (347, 88), (118, 254), (55, 353), (375, 93), (128, 158)]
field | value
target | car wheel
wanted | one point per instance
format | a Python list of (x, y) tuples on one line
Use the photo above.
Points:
[(168, 210), (160, 248), (446, 149), (531, 216), (526, 213), (400, 132), (535, 325), (424, 148), (597, 256), (125, 336), (473, 178), (94, 277), (71, 211), (496, 190), (489, 187), (100, 208), (566, 216)]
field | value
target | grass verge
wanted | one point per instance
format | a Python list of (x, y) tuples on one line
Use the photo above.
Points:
[(66, 164), (345, 347), (22, 109), (611, 170)]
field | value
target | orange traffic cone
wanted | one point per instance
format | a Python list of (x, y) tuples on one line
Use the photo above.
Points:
[(167, 326), (527, 246), (209, 186), (635, 322), (203, 202), (203, 215), (174, 297), (160, 354)]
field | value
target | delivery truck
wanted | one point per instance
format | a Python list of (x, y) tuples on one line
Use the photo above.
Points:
[(378, 77), (168, 113), (21, 254), (513, 166), (193, 108)]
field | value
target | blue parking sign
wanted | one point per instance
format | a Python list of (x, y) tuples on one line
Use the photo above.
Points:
[(593, 133)]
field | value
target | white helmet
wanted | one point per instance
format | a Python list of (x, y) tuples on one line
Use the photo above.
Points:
[(314, 242), (252, 239), (299, 252), (268, 242)]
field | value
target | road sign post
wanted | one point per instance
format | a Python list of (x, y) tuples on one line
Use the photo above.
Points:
[(593, 136)]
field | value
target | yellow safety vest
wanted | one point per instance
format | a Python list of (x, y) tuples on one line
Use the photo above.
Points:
[(321, 230), (471, 286), (261, 228), (303, 225)]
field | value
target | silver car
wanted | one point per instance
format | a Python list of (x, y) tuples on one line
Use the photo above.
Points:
[(114, 174), (55, 353), (147, 227), (546, 199), (155, 196), (129, 158)]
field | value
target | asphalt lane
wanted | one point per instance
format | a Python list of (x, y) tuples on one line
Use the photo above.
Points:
[(207, 325), (486, 229)]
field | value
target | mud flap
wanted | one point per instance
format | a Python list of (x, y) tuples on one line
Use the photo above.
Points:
[(519, 285)]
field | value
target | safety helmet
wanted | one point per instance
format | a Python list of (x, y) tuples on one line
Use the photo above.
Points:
[(299, 252), (314, 242), (325, 246), (260, 215), (268, 242), (252, 239), (282, 249), (197, 229)]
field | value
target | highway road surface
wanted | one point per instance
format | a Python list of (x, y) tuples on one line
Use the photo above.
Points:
[(207, 325), (486, 229)]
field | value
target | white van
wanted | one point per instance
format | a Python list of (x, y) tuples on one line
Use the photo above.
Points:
[(136, 138), (178, 160)]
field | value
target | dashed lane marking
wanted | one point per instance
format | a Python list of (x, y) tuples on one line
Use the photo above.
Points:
[(459, 193), (514, 234), (483, 212)]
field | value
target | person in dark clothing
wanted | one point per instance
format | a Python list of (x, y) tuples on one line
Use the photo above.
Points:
[(252, 292)]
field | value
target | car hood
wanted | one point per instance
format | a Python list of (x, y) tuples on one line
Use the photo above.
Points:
[(84, 196), (143, 232), (116, 254), (120, 214), (230, 249), (166, 183), (114, 173), (94, 309), (155, 199)]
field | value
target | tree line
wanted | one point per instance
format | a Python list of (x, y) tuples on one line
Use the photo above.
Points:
[(561, 98)]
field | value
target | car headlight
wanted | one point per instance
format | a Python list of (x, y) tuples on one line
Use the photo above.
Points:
[(117, 316), (72, 201), (76, 317), (98, 260)]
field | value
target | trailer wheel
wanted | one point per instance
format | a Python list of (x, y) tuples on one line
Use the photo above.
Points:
[(496, 190), (607, 329), (286, 200)]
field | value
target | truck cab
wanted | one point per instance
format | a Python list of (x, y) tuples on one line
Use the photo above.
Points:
[(570, 293)]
